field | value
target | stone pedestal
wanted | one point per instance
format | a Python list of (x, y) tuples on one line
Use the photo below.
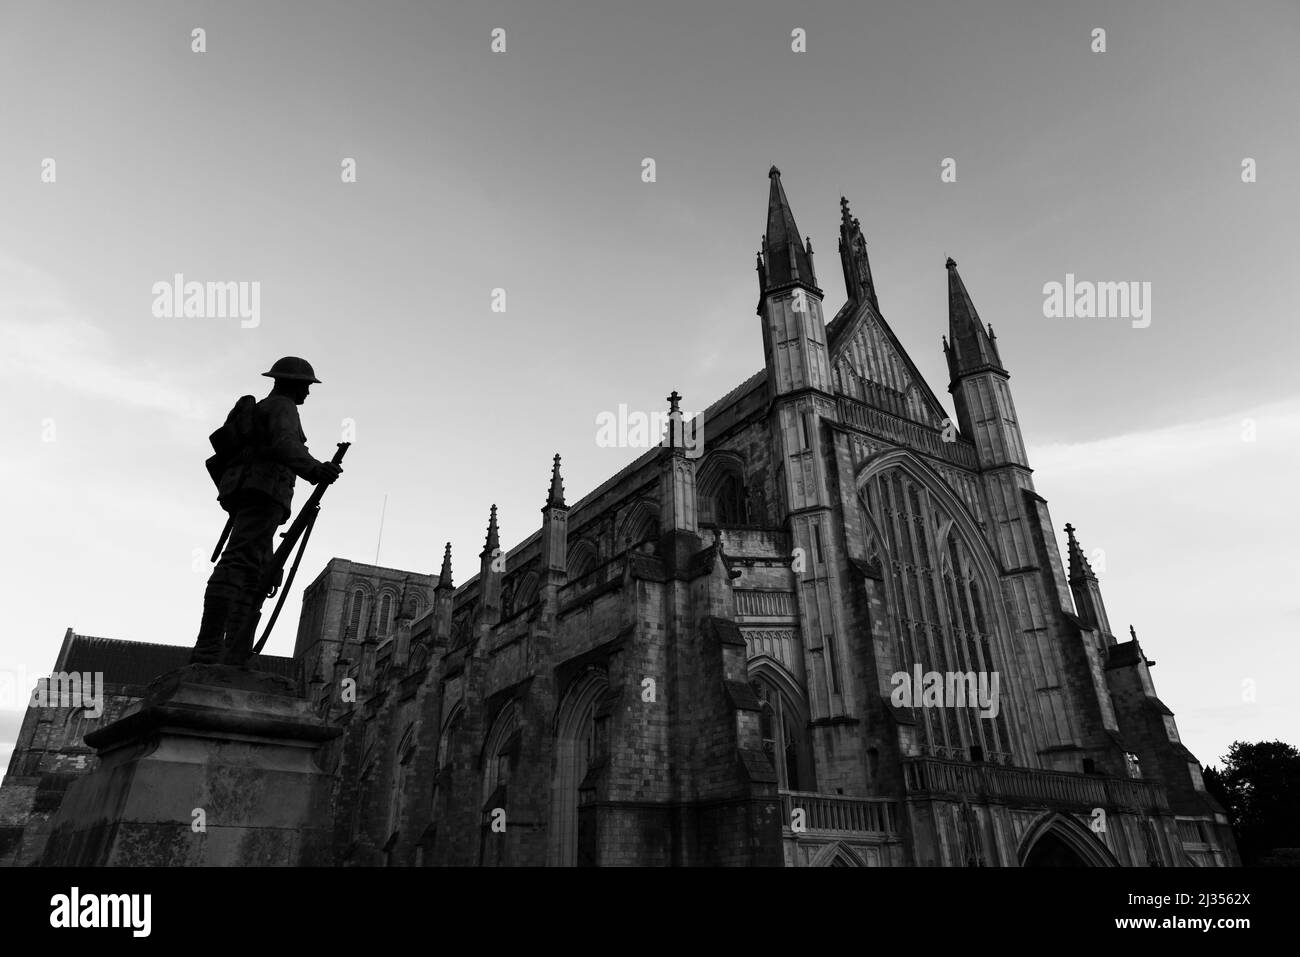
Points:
[(238, 746)]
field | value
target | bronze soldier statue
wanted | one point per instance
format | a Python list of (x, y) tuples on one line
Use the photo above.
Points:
[(256, 488)]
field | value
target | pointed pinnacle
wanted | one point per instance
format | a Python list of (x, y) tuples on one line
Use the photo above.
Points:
[(493, 538), (972, 348), (1079, 565), (556, 495), (786, 257), (444, 576)]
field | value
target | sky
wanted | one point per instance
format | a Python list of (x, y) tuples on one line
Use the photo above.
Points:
[(1172, 448)]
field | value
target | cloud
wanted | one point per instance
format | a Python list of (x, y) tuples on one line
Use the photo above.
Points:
[(1223, 440), (44, 338), (1197, 536)]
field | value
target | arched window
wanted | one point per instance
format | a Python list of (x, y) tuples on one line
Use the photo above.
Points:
[(939, 614), (354, 613), (499, 758), (405, 752), (729, 501), (499, 754), (582, 559), (639, 523), (449, 730), (576, 750), (784, 727), (508, 599), (385, 613), (462, 629), (526, 593), (720, 485)]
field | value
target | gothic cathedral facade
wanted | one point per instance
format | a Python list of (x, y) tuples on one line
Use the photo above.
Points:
[(699, 662)]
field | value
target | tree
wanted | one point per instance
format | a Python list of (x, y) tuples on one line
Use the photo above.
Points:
[(1260, 787)]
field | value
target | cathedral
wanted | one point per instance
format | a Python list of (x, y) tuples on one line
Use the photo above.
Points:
[(702, 661)]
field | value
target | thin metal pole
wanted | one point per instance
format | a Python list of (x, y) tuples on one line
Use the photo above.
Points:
[(381, 528)]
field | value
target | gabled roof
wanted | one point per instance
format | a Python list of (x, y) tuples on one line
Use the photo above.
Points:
[(139, 662), (847, 321)]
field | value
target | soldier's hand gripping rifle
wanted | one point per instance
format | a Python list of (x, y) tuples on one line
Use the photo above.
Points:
[(272, 575)]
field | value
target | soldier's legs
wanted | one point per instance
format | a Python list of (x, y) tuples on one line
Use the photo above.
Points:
[(216, 609), (259, 522), (230, 596)]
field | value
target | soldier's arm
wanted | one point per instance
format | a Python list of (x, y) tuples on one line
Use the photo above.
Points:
[(285, 445)]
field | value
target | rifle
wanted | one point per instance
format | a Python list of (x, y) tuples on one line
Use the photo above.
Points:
[(269, 582)]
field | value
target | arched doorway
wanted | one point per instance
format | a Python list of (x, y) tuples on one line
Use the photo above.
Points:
[(1057, 840), (837, 854), (1050, 851)]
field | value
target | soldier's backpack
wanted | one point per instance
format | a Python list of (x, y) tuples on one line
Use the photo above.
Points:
[(234, 438)]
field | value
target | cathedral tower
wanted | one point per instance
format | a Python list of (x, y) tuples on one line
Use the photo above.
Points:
[(801, 393)]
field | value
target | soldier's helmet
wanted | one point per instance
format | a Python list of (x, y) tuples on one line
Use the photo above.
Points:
[(291, 367)]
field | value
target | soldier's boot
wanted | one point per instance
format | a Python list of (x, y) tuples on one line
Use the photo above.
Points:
[(209, 646), (240, 632)]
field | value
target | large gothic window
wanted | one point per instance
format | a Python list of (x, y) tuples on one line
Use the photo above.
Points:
[(940, 614), (720, 488), (500, 758), (576, 751), (784, 728), (405, 752), (729, 501), (499, 754)]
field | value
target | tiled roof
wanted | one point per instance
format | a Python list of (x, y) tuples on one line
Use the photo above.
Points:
[(139, 662)]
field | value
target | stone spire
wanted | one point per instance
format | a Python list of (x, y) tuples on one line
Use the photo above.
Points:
[(493, 537), (555, 529), (444, 576), (555, 498), (858, 283), (785, 259), (1080, 569), (491, 569), (1086, 589), (443, 596), (970, 347)]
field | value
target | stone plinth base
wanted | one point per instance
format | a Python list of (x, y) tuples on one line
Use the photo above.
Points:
[(209, 745)]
